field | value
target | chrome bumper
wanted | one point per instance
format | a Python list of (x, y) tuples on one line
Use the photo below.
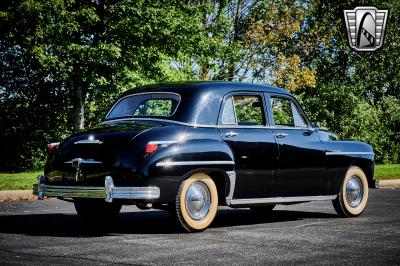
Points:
[(108, 192)]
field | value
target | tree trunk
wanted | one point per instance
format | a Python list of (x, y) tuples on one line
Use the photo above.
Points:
[(203, 73), (79, 106), (236, 25), (204, 60), (231, 71)]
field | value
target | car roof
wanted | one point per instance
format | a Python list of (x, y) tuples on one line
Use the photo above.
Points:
[(205, 86), (200, 101)]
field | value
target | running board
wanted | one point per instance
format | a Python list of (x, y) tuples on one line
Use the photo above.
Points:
[(277, 200)]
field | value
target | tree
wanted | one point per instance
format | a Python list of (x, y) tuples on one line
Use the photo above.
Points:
[(63, 63), (247, 40), (357, 93)]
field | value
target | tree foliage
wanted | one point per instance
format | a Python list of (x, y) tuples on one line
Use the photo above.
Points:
[(357, 93), (63, 62)]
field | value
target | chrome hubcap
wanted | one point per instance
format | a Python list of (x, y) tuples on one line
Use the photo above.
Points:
[(354, 191), (198, 200)]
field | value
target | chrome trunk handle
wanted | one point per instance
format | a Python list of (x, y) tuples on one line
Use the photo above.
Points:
[(281, 135), (231, 134)]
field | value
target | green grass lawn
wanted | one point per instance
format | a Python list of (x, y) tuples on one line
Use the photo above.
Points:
[(15, 181), (387, 171), (25, 180)]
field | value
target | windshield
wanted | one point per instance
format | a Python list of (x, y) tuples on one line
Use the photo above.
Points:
[(145, 105)]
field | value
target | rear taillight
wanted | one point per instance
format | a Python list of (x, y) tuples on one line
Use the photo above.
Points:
[(151, 147), (52, 147)]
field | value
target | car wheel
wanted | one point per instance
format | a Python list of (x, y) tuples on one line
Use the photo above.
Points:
[(353, 195), (96, 209), (196, 203), (262, 211)]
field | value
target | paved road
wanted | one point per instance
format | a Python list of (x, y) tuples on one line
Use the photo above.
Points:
[(49, 232)]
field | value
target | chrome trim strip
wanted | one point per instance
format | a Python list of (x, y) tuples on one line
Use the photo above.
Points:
[(208, 126), (267, 127), (167, 163), (232, 181), (240, 126), (348, 153), (163, 142), (238, 202), (159, 120), (108, 192), (88, 141), (84, 161)]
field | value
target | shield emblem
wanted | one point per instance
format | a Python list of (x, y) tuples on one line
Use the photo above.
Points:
[(365, 27)]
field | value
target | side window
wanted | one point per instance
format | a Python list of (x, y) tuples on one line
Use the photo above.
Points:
[(298, 119), (228, 114), (285, 113), (245, 110)]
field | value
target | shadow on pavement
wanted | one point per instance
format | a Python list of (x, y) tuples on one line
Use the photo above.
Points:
[(145, 222)]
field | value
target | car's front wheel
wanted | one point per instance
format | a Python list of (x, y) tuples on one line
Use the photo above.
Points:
[(196, 203), (97, 209), (353, 195)]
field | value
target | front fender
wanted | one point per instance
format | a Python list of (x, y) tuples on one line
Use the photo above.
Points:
[(341, 155), (355, 148)]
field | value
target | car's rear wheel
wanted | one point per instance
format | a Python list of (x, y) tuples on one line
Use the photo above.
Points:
[(97, 209), (353, 195), (196, 203), (262, 211)]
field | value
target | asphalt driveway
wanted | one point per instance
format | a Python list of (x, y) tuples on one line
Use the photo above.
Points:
[(49, 232)]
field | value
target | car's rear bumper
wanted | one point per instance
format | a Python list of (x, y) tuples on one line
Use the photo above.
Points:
[(108, 192)]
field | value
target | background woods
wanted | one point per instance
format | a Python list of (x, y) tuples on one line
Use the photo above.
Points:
[(62, 63)]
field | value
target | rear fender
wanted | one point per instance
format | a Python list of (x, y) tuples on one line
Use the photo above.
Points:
[(170, 165), (178, 159)]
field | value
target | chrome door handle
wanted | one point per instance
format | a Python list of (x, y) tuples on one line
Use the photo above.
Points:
[(281, 135), (231, 134)]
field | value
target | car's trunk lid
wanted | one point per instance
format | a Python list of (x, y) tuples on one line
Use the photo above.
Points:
[(89, 155)]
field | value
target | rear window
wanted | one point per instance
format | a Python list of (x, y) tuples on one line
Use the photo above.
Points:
[(145, 105)]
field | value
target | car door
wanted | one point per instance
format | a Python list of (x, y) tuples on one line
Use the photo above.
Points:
[(302, 170), (243, 127)]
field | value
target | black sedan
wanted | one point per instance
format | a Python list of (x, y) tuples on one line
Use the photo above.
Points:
[(190, 147)]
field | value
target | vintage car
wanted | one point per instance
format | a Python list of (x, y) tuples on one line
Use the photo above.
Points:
[(191, 147)]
